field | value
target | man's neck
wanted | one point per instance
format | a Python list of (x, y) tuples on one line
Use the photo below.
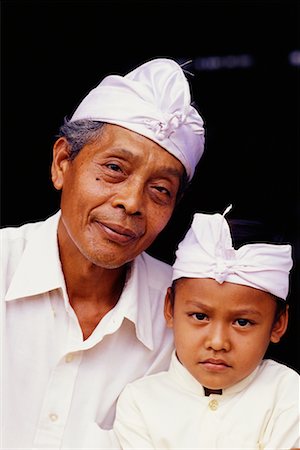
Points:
[(91, 302)]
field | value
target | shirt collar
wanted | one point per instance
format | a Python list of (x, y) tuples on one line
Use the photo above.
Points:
[(134, 303), (185, 378), (39, 269)]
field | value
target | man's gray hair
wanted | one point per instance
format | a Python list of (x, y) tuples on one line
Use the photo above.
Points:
[(79, 133)]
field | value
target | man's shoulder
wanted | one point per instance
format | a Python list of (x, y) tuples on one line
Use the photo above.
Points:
[(14, 239), (25, 230), (159, 273), (22, 231)]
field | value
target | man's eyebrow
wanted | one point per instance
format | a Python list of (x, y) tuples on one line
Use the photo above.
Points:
[(161, 171), (123, 151), (169, 171)]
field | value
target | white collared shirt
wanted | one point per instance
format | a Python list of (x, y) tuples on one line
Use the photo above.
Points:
[(57, 389), (170, 411)]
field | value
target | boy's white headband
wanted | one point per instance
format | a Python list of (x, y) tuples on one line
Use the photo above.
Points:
[(207, 252), (153, 100)]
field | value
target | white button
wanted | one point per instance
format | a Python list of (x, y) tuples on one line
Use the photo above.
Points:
[(69, 357), (53, 417), (213, 404)]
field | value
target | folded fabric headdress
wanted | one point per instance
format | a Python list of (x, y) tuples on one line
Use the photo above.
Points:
[(153, 100), (207, 252)]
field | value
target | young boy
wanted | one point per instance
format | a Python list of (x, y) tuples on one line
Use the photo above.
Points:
[(225, 306)]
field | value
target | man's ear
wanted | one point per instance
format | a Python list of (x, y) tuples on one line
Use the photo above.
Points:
[(60, 162), (280, 326), (168, 310)]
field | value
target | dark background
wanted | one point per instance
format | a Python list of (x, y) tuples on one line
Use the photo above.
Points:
[(246, 57)]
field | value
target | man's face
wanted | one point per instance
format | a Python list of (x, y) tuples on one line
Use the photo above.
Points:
[(117, 195), (221, 331)]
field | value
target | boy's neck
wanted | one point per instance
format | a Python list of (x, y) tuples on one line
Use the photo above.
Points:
[(208, 391)]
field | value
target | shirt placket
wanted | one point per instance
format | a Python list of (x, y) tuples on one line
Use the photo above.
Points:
[(211, 421), (60, 390), (57, 401)]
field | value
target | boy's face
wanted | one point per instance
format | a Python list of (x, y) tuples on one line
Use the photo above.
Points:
[(221, 331)]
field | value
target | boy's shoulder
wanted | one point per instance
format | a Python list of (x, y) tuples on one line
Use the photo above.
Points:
[(277, 377), (147, 385), (276, 367)]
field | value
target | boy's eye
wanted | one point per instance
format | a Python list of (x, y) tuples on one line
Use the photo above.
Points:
[(199, 316), (243, 322)]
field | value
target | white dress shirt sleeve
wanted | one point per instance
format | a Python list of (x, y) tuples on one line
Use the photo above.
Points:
[(96, 437), (129, 426)]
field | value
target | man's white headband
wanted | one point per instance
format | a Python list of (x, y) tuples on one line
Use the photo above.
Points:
[(153, 100), (207, 252)]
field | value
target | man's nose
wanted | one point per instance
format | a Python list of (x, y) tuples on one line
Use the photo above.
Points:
[(130, 197)]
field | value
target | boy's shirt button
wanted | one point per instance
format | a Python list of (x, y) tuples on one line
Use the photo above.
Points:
[(213, 404)]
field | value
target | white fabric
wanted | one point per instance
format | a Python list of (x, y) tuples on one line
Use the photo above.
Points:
[(58, 390), (153, 100), (206, 251), (170, 411)]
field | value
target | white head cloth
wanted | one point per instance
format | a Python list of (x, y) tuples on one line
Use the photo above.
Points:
[(153, 100), (207, 252)]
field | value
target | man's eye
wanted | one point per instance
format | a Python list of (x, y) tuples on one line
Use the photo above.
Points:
[(199, 316), (113, 166), (163, 190)]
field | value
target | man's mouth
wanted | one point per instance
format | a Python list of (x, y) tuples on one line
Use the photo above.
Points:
[(117, 233)]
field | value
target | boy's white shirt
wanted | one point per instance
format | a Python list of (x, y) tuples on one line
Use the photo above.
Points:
[(59, 391), (170, 411)]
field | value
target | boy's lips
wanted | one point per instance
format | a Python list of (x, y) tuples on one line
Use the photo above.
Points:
[(215, 364)]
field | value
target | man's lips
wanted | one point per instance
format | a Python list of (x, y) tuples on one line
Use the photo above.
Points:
[(118, 233)]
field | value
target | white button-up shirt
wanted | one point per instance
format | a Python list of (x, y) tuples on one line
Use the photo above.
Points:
[(59, 391), (170, 411)]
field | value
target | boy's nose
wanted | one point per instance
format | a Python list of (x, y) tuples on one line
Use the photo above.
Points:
[(218, 338)]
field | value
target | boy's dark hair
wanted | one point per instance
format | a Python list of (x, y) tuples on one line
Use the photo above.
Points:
[(253, 231)]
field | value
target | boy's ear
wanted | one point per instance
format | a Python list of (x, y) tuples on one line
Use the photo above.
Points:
[(280, 326), (168, 310), (60, 162)]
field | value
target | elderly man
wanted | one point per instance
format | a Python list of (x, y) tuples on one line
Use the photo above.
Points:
[(83, 301)]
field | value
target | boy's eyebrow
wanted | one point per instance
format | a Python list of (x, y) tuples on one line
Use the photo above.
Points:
[(198, 304), (242, 311)]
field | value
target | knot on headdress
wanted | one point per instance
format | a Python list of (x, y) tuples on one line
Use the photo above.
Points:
[(164, 128), (224, 254), (222, 270)]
